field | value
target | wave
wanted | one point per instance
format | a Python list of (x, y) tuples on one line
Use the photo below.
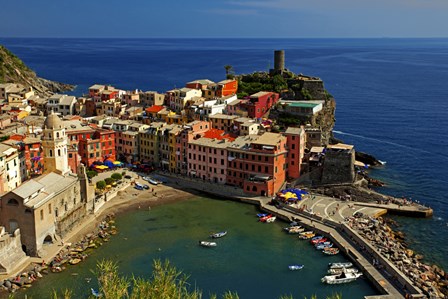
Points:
[(391, 143)]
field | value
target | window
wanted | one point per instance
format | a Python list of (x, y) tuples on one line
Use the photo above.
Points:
[(13, 202), (51, 153), (293, 146), (41, 214), (49, 208), (59, 152)]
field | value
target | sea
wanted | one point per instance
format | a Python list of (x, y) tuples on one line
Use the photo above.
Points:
[(392, 102)]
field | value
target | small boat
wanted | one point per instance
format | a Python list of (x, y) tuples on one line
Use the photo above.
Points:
[(294, 229), (317, 241), (151, 180), (294, 223), (96, 293), (271, 219), (207, 244), (295, 267), (340, 265), (340, 270), (323, 245), (340, 278), (331, 251), (261, 215), (264, 218), (218, 235), (307, 235)]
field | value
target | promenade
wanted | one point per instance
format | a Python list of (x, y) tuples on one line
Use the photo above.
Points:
[(325, 215)]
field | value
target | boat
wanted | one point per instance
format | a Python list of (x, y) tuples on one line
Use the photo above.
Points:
[(294, 229), (271, 219), (295, 267), (340, 278), (218, 235), (323, 245), (317, 241), (340, 265), (264, 218), (340, 270), (207, 244), (261, 215), (331, 251), (307, 235)]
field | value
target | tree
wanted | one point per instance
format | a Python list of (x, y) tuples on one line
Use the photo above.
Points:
[(116, 176), (229, 70), (91, 173), (101, 185), (109, 181)]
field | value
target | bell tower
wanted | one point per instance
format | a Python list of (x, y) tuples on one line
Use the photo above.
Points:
[(54, 144)]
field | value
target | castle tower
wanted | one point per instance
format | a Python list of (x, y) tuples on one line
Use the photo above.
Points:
[(54, 144), (279, 61)]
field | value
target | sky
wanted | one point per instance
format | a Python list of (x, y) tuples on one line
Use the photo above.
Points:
[(224, 18)]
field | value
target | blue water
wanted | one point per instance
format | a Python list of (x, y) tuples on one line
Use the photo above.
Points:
[(391, 97)]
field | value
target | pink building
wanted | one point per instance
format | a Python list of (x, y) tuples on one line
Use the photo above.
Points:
[(260, 103), (295, 140)]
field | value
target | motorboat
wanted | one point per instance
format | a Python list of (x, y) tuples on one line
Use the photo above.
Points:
[(218, 235), (331, 251), (207, 244), (271, 219), (317, 241), (295, 267), (323, 245), (294, 229), (340, 265), (264, 218), (259, 215), (307, 235), (344, 277), (340, 270)]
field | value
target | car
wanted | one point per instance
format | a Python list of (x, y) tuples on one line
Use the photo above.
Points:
[(138, 187), (146, 187), (127, 176)]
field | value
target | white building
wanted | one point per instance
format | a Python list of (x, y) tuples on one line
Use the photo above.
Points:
[(61, 104), (9, 168)]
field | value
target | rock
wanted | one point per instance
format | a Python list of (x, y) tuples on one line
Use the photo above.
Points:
[(418, 256)]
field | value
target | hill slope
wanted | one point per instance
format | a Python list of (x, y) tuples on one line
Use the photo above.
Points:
[(13, 70)]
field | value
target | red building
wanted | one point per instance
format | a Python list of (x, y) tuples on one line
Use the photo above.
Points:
[(257, 163), (260, 103), (227, 88), (100, 147), (32, 151), (296, 141)]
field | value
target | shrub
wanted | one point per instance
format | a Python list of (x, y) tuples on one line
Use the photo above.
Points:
[(91, 173), (109, 181), (116, 176), (101, 185)]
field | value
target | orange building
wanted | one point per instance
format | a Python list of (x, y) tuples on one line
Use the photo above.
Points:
[(227, 88)]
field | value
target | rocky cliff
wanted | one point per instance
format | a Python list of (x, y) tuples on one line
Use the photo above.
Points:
[(13, 70)]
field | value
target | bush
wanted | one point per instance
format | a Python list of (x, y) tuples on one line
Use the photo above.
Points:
[(116, 176), (123, 173), (109, 181), (101, 185), (91, 173)]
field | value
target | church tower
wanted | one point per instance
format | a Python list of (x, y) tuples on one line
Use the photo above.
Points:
[(54, 144)]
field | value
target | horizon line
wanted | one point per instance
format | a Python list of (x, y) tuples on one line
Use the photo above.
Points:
[(208, 37)]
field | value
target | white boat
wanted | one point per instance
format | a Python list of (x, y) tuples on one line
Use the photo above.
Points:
[(294, 229), (271, 219), (340, 270), (340, 265), (207, 244), (218, 235), (150, 180), (340, 278), (295, 267)]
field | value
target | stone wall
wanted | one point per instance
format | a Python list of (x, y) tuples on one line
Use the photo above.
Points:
[(11, 253), (338, 167)]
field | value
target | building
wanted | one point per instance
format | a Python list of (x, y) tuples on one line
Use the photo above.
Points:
[(301, 108), (151, 98), (31, 150), (62, 104), (222, 121), (45, 209), (257, 164), (177, 98), (201, 84), (339, 164), (149, 144), (9, 168), (295, 141), (260, 103), (54, 145)]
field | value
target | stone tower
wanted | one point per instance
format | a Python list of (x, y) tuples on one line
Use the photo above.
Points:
[(54, 144), (279, 63)]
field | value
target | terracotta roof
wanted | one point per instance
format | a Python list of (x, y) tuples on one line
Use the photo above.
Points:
[(154, 109)]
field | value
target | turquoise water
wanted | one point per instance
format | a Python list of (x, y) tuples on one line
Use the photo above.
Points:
[(251, 260)]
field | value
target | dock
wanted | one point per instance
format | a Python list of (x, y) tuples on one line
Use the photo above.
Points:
[(326, 215)]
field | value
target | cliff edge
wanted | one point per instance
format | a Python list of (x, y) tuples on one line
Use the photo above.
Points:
[(14, 70)]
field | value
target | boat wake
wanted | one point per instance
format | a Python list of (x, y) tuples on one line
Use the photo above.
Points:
[(391, 143)]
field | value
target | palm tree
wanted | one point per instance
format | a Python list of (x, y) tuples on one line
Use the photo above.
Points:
[(229, 69)]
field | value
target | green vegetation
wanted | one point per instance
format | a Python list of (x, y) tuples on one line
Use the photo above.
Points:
[(3, 138), (165, 282), (306, 94), (109, 181), (8, 65), (91, 173), (116, 176), (230, 74), (101, 185)]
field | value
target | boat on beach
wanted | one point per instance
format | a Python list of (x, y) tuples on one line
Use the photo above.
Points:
[(340, 265), (218, 235), (207, 244), (295, 267), (344, 277)]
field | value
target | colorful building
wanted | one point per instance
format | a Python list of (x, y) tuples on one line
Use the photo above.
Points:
[(260, 103), (295, 140)]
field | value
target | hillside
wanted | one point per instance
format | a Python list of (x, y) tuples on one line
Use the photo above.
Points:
[(14, 70)]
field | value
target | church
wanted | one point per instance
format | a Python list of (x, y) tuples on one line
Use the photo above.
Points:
[(46, 208)]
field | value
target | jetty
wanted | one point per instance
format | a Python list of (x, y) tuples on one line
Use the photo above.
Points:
[(326, 215)]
